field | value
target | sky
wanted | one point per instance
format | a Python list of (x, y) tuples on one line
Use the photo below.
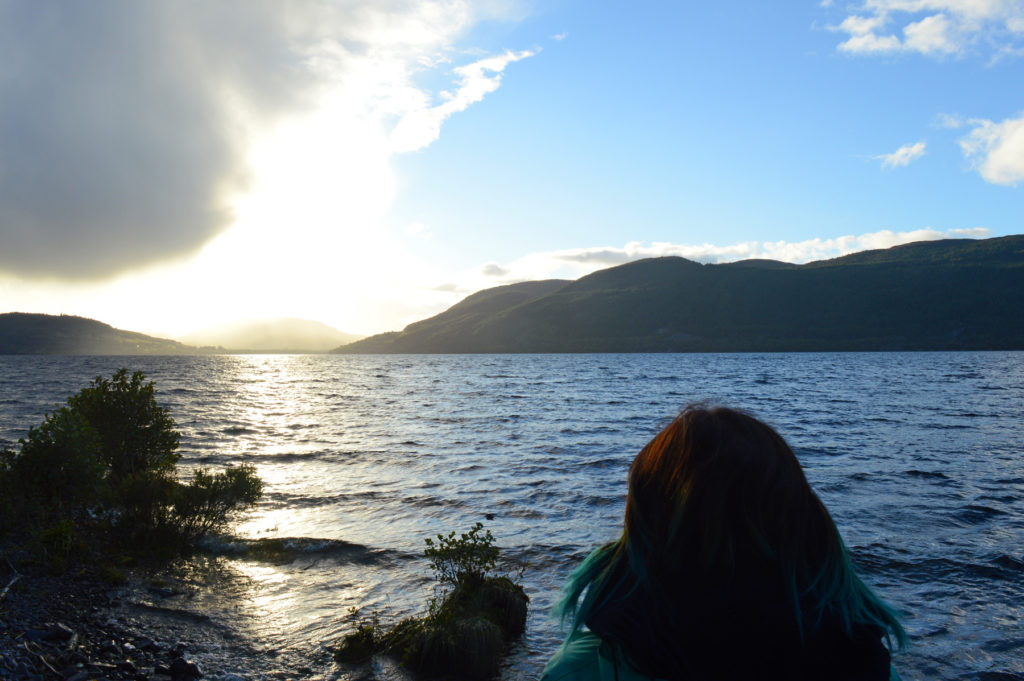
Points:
[(173, 165)]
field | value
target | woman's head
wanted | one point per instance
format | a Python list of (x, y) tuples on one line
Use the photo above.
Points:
[(718, 498), (717, 490)]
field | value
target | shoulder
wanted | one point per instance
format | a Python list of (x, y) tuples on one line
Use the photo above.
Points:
[(577, 659), (584, 657)]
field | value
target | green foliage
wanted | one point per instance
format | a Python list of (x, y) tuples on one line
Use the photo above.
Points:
[(468, 557), (210, 500), (59, 469), (58, 542), (361, 644), (137, 434), (466, 631), (106, 462)]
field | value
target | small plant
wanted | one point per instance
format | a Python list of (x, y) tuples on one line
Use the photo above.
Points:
[(367, 639), (466, 629), (468, 557)]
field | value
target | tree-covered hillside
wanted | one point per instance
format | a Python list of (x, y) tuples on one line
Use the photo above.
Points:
[(39, 334), (955, 294)]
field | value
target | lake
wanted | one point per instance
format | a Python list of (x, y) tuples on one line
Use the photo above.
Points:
[(919, 457)]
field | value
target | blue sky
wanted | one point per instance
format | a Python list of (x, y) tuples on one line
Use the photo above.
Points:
[(368, 164)]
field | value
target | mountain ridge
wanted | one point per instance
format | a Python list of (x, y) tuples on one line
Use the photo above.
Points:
[(29, 333), (954, 294)]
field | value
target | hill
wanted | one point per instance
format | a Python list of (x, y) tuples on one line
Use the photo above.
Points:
[(272, 335), (955, 294), (22, 333)]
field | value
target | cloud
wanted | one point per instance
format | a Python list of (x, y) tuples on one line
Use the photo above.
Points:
[(419, 127), (493, 270), (117, 145), (560, 36), (996, 149), (948, 121), (934, 28), (447, 287), (133, 134), (902, 157)]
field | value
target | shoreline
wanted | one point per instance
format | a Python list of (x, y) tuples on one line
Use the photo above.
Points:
[(76, 627)]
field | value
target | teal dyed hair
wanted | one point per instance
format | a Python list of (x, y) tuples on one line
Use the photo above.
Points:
[(719, 495)]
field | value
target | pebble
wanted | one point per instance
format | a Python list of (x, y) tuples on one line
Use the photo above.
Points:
[(183, 669)]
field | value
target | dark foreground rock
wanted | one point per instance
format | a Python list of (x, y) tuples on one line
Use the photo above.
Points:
[(76, 627)]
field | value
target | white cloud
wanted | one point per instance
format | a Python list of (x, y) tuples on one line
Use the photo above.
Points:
[(493, 270), (422, 125), (948, 121), (902, 156), (996, 149), (934, 27), (932, 35), (560, 36)]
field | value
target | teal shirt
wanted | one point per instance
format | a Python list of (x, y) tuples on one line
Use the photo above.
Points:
[(583, 659)]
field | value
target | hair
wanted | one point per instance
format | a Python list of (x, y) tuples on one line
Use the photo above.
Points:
[(718, 499)]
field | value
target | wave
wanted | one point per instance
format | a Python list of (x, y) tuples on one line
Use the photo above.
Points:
[(284, 550)]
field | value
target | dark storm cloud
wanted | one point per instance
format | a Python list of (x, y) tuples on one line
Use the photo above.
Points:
[(120, 126)]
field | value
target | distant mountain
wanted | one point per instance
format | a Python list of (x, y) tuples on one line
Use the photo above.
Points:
[(40, 334), (272, 335), (955, 294)]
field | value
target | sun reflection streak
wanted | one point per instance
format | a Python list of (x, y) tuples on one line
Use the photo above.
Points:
[(280, 420)]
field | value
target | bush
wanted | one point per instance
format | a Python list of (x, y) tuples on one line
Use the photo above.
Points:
[(209, 501), (468, 557), (107, 461), (58, 471), (467, 629)]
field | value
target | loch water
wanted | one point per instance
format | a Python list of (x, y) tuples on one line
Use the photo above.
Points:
[(919, 457)]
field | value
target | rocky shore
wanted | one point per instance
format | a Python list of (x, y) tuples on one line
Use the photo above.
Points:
[(77, 627)]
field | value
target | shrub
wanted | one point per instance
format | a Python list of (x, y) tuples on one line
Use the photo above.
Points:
[(112, 451), (58, 471), (469, 557), (209, 501), (137, 434), (467, 629)]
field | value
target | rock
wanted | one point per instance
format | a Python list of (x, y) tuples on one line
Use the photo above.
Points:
[(183, 669), (232, 677), (162, 669), (162, 592), (128, 666), (80, 676), (147, 644), (59, 632)]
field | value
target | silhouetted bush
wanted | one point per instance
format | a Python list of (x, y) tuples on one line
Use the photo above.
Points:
[(105, 464), (466, 630), (210, 499)]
